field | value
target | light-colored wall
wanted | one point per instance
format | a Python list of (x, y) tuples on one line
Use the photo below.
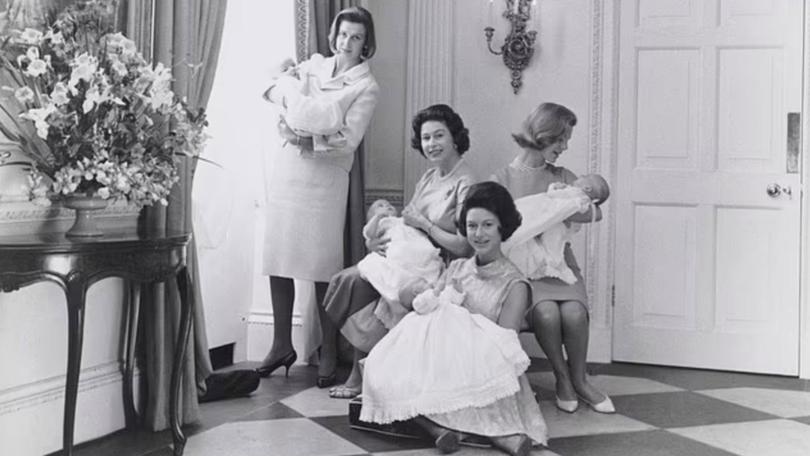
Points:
[(482, 94), (561, 70), (33, 341)]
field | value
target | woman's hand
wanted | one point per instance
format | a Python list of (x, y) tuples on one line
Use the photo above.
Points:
[(413, 218), (378, 244)]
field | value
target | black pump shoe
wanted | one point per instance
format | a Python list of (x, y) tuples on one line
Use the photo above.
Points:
[(286, 361)]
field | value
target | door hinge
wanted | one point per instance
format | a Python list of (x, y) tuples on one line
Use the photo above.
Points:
[(613, 296)]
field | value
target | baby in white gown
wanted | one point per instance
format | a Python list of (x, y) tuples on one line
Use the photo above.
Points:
[(537, 246), (305, 115), (410, 256)]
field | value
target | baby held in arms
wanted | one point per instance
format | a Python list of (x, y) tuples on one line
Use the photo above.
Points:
[(305, 114), (410, 257), (537, 246)]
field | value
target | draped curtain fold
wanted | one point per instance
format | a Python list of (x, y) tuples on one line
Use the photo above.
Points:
[(321, 14), (184, 35)]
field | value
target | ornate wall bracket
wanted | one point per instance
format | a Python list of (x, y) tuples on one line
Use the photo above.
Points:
[(518, 46)]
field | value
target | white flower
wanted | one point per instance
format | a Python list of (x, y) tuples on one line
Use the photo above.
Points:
[(39, 116), (36, 68), (84, 66), (56, 38), (32, 53), (103, 192), (59, 95), (24, 94), (118, 66), (31, 36), (91, 97)]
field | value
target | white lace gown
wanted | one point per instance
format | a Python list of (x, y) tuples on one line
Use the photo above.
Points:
[(455, 365), (537, 247)]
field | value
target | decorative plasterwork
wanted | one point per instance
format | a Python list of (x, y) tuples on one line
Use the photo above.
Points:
[(431, 31), (302, 22), (602, 113), (393, 196)]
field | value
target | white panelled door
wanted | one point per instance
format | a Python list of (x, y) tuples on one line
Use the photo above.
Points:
[(708, 190)]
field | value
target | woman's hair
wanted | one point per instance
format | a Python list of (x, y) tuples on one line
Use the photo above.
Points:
[(495, 198), (358, 15), (444, 114), (544, 126)]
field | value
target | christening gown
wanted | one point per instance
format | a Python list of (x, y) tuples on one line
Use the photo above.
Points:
[(455, 365)]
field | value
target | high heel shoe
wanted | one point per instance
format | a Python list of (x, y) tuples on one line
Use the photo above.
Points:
[(606, 406), (567, 406), (287, 361)]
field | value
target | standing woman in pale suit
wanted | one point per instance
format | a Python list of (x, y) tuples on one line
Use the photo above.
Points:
[(326, 105)]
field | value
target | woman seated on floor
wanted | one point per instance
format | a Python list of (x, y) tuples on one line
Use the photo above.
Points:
[(455, 363), (351, 302)]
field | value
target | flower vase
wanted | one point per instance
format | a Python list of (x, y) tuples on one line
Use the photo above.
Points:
[(86, 207)]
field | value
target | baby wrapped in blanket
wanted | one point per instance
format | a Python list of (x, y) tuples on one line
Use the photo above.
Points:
[(410, 255), (537, 246), (306, 115)]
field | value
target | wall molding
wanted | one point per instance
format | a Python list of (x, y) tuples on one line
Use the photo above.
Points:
[(395, 196), (804, 286), (430, 69), (599, 261), (51, 389)]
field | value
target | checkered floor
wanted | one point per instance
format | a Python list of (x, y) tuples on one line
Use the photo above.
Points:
[(661, 411)]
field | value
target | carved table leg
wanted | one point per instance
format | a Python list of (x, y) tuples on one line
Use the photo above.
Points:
[(187, 304), (131, 415), (75, 290)]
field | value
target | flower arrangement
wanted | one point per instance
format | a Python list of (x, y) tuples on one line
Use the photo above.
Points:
[(91, 115)]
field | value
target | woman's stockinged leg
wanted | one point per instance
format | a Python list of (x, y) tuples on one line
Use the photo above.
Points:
[(328, 355), (574, 317), (282, 293), (547, 326)]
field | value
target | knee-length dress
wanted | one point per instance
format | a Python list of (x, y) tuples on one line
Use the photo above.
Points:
[(455, 365), (521, 181), (350, 300), (307, 188)]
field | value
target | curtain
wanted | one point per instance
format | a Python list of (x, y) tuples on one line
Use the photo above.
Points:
[(184, 35)]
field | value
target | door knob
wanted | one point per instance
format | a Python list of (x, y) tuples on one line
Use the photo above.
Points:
[(774, 190)]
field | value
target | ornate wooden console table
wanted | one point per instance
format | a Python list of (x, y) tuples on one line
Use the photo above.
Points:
[(75, 264)]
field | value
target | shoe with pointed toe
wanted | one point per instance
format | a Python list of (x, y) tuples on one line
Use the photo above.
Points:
[(605, 406), (448, 442), (286, 361), (567, 406)]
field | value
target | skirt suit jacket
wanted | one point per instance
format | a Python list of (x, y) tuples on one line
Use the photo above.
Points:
[(307, 187)]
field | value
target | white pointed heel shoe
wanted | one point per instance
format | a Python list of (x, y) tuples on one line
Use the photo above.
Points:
[(567, 406), (606, 406)]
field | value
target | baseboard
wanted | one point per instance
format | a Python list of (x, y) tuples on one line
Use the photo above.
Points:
[(31, 415), (260, 334)]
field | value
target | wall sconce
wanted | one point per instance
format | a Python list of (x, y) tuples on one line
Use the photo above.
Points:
[(518, 46)]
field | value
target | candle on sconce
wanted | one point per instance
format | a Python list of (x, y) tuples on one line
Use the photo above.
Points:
[(534, 10), (491, 16)]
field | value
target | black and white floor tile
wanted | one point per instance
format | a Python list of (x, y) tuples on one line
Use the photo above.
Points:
[(661, 412)]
